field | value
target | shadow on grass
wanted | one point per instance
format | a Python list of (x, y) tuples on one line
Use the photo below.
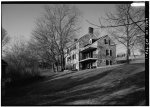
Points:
[(67, 83), (130, 99), (22, 87), (70, 83)]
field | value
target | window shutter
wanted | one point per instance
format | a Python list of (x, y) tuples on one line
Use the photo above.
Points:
[(107, 52), (110, 52), (107, 62), (110, 62), (109, 42), (105, 41)]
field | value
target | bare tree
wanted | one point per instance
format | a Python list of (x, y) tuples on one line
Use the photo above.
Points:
[(45, 53), (5, 39), (55, 29), (22, 60), (126, 25)]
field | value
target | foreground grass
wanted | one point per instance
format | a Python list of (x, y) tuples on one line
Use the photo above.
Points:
[(120, 85)]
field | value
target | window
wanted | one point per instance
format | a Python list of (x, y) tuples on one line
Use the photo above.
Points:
[(110, 52), (105, 41), (107, 62), (110, 62), (107, 52)]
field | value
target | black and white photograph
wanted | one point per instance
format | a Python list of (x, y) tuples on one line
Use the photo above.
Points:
[(59, 53)]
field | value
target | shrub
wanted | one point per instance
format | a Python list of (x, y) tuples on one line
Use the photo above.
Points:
[(22, 65), (21, 75)]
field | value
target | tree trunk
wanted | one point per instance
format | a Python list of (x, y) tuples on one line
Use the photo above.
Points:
[(128, 55), (53, 67), (127, 30), (128, 47), (56, 64), (62, 62)]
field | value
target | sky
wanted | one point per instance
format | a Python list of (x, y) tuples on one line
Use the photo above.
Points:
[(19, 19)]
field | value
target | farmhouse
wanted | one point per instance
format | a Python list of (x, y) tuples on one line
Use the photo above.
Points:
[(89, 51)]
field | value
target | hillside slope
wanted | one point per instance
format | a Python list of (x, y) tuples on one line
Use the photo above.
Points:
[(118, 85)]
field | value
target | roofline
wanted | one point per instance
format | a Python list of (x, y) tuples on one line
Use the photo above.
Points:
[(105, 36), (93, 42), (78, 40)]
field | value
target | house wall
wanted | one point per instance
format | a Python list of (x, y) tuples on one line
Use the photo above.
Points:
[(95, 53), (76, 60), (102, 47)]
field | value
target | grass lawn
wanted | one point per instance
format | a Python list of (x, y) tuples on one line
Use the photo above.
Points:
[(118, 85)]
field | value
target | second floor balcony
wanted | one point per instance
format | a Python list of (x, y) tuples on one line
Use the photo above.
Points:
[(88, 59), (88, 56)]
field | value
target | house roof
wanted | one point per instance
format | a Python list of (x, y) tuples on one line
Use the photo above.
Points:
[(92, 36), (89, 34), (103, 37)]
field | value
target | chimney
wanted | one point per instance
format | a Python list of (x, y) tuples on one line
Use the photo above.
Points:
[(91, 30)]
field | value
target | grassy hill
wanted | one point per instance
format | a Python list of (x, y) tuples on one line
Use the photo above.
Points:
[(116, 85)]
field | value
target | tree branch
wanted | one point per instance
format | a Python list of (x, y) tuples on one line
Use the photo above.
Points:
[(114, 25)]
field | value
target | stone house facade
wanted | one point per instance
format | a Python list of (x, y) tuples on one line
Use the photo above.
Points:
[(89, 51)]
